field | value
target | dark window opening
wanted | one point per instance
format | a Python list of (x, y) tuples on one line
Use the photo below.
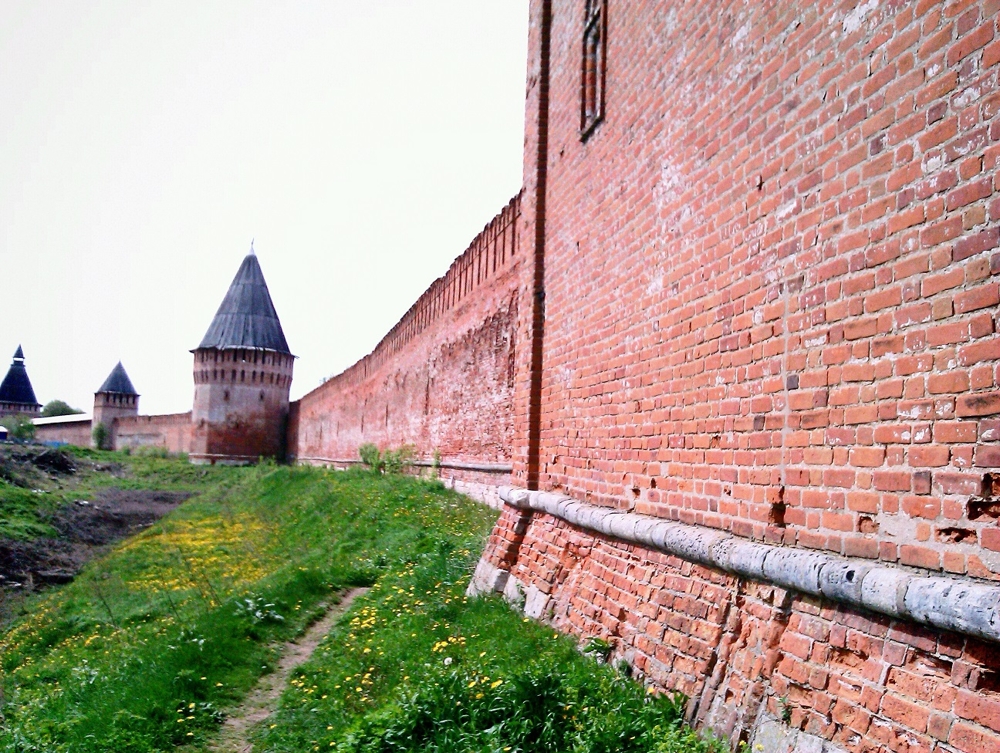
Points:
[(593, 69)]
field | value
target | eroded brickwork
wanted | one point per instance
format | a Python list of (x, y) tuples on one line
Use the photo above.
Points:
[(748, 654), (240, 410), (75, 432), (768, 306)]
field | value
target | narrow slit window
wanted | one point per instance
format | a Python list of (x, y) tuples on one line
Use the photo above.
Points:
[(593, 68)]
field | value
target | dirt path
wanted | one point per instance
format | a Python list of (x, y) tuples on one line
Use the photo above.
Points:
[(263, 699)]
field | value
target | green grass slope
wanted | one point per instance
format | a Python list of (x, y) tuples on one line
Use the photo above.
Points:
[(148, 647)]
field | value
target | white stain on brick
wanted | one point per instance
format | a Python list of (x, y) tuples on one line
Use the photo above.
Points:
[(854, 19)]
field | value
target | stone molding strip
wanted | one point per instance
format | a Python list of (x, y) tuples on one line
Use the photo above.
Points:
[(457, 466), (949, 603), (450, 464)]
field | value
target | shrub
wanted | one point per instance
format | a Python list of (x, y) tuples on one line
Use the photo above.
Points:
[(371, 456), (398, 460), (390, 461), (102, 437)]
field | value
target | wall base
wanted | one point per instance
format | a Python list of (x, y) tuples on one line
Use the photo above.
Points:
[(765, 664)]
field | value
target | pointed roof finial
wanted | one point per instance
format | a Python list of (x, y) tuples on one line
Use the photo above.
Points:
[(252, 252), (18, 354)]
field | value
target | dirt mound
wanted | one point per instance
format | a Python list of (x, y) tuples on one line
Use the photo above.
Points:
[(54, 461), (84, 527)]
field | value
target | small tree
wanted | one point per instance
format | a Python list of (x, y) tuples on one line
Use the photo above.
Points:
[(101, 437), (19, 427), (58, 408)]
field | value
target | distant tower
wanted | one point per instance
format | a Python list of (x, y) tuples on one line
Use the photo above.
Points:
[(16, 393), (242, 375), (116, 398)]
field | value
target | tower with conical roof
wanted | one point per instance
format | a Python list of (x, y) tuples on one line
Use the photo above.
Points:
[(242, 376), (116, 398), (16, 393)]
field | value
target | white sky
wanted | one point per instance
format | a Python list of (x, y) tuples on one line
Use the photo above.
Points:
[(143, 144)]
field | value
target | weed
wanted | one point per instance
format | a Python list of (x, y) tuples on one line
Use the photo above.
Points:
[(371, 456), (598, 648), (387, 461)]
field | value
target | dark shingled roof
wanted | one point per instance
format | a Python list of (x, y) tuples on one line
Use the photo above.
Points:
[(16, 387), (246, 318), (118, 382)]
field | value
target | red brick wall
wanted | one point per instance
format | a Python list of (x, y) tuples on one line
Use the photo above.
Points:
[(441, 380), (770, 273), (73, 432), (768, 305), (171, 432)]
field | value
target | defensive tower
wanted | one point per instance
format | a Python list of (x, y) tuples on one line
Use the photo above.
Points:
[(16, 393), (116, 398), (242, 376)]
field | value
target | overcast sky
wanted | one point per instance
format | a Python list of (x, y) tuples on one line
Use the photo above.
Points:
[(144, 144)]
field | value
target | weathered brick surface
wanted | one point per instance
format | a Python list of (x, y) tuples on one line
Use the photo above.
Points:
[(75, 432), (240, 410), (770, 272), (441, 380)]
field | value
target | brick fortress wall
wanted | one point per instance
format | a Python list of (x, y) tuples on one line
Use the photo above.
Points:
[(75, 432), (770, 291), (441, 380), (171, 432), (769, 313)]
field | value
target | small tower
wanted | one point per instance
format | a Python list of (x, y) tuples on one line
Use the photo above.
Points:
[(116, 398), (16, 393), (242, 376)]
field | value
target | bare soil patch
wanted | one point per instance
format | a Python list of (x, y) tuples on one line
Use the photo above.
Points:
[(85, 524), (85, 528)]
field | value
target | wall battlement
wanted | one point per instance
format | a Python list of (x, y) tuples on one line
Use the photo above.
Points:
[(490, 255), (441, 380)]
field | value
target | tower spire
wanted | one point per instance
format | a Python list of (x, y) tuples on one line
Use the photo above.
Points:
[(246, 318), (252, 252)]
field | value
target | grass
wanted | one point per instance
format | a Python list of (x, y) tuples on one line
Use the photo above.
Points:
[(147, 648), (24, 513)]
